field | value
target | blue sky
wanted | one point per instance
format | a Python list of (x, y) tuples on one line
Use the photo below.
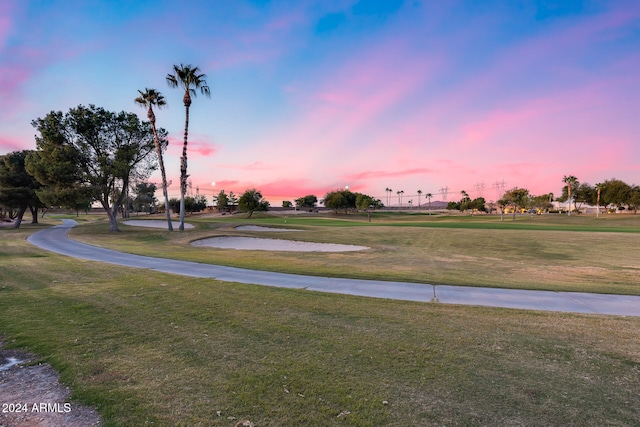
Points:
[(309, 96)]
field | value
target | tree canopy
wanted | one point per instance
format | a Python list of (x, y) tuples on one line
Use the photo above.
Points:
[(18, 189), (307, 202), (251, 201), (518, 198), (348, 200), (92, 153)]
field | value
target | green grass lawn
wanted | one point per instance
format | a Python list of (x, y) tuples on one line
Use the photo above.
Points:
[(148, 348), (548, 252)]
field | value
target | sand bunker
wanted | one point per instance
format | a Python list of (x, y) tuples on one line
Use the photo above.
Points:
[(258, 244), (263, 228), (155, 223)]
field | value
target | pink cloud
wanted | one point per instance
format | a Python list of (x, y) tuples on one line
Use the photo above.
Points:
[(366, 88), (10, 144), (6, 25), (198, 144), (254, 166)]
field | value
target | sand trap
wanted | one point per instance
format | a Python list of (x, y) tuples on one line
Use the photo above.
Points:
[(258, 244), (263, 228), (155, 223)]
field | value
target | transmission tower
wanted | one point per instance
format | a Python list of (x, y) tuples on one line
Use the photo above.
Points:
[(444, 191), (499, 186), (479, 189)]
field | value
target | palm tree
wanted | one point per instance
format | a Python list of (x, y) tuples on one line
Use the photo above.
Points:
[(599, 188), (419, 194), (428, 196), (400, 193), (388, 192), (571, 181), (148, 99), (187, 77)]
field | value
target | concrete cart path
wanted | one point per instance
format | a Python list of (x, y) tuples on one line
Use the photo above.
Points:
[(56, 239)]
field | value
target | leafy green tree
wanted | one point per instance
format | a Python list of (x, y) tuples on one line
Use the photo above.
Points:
[(233, 200), (191, 204), (336, 200), (148, 99), (287, 204), (541, 203), (189, 78), (616, 193), (477, 205), (251, 201), (55, 166), (634, 198), (196, 203), (96, 152), (18, 189), (584, 193), (221, 200), (348, 200), (518, 198), (453, 206), (365, 203), (307, 202), (145, 199)]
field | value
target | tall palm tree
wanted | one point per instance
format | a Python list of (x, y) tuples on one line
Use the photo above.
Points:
[(400, 193), (189, 78), (428, 196), (148, 99), (599, 189), (419, 194), (571, 181)]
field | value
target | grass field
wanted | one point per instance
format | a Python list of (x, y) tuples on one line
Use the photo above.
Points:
[(147, 348), (550, 252)]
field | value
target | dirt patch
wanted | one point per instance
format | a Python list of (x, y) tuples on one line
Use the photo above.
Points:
[(32, 396)]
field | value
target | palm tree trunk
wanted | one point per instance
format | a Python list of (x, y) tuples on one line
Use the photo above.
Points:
[(164, 176), (183, 169)]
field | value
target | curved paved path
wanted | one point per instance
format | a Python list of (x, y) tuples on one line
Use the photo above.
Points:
[(55, 239)]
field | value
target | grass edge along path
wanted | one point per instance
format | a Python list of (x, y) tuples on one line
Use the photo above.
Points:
[(571, 261), (150, 348)]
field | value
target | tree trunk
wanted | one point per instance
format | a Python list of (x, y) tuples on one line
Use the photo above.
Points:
[(19, 217), (183, 168), (34, 214), (164, 176), (113, 219), (112, 213)]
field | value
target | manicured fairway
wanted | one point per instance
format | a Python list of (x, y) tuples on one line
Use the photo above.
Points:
[(541, 252), (147, 348)]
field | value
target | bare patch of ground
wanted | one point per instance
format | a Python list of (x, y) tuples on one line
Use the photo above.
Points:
[(32, 396)]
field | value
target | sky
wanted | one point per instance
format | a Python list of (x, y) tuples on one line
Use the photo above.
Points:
[(312, 96)]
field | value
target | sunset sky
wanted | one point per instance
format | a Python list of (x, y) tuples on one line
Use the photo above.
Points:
[(311, 96)]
